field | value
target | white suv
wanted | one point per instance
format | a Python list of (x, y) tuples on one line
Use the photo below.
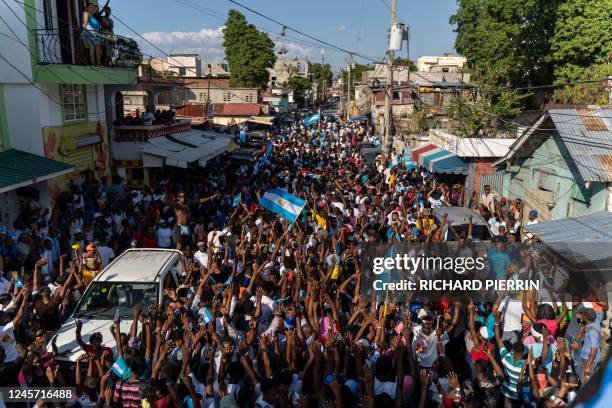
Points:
[(135, 276)]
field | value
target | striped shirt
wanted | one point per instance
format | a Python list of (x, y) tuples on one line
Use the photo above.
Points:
[(127, 394), (512, 372)]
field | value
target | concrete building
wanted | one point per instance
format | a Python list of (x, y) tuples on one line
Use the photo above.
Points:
[(185, 65), (217, 69), (562, 165), (285, 69), (195, 90), (52, 106), (445, 63)]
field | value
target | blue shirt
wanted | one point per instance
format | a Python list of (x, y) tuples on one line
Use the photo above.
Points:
[(499, 260), (592, 335)]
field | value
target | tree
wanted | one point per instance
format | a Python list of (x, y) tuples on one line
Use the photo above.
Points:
[(249, 52), (299, 85), (356, 75), (319, 73), (485, 111), (582, 39), (506, 42), (586, 93)]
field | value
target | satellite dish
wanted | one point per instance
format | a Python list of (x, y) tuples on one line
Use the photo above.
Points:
[(159, 65), (282, 51)]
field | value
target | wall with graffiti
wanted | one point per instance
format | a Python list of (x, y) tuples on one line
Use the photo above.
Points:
[(83, 145)]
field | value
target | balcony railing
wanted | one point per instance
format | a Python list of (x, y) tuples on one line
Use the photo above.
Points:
[(66, 46), (144, 133)]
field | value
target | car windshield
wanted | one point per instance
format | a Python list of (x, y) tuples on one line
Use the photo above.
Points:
[(106, 299)]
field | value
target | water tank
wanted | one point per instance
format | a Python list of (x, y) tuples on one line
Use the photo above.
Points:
[(398, 31)]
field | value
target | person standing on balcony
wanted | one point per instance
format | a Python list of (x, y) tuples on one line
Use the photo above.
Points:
[(91, 29)]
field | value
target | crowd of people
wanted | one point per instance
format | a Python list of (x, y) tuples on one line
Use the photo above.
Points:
[(271, 313)]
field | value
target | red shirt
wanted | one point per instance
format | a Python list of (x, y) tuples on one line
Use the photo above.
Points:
[(148, 242)]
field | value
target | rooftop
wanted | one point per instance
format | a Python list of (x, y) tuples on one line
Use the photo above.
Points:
[(580, 240), (584, 130), (236, 109), (19, 169), (138, 265)]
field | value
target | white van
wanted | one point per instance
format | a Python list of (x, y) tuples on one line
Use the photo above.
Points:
[(135, 276)]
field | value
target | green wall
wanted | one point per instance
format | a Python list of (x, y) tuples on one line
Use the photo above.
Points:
[(550, 168)]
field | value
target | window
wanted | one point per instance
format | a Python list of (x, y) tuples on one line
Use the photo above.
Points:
[(249, 98), (227, 97), (445, 70), (201, 97), (73, 100), (182, 71), (273, 78), (48, 14)]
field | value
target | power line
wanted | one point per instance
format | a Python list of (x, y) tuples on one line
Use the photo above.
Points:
[(303, 33)]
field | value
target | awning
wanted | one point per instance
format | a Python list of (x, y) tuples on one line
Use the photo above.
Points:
[(183, 149), (263, 120), (422, 149), (20, 169), (437, 160)]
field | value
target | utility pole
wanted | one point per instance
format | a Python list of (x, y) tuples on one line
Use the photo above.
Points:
[(324, 80), (388, 139), (208, 91), (348, 90)]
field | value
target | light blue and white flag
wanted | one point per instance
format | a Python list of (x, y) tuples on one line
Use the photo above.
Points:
[(312, 119), (266, 156), (393, 162), (206, 316), (236, 201), (408, 162), (282, 203)]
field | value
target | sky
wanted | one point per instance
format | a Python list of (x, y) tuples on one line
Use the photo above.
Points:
[(195, 26)]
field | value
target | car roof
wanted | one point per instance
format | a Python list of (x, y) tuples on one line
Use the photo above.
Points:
[(139, 265), (460, 215)]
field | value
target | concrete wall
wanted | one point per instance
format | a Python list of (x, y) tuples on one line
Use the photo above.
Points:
[(218, 95), (14, 46)]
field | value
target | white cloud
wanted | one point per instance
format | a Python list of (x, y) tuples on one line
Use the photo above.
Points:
[(294, 50), (208, 42), (338, 28)]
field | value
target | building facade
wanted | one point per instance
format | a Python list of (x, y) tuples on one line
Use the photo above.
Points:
[(561, 166), (52, 96), (185, 65), (445, 63), (285, 69)]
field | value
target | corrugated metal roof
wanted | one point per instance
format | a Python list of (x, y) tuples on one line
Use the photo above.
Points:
[(580, 240), (588, 228), (587, 134), (18, 168)]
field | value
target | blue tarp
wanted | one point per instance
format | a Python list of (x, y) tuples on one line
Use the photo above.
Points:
[(447, 164), (429, 157)]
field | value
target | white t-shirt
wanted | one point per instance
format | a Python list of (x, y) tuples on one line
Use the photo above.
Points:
[(427, 357), (201, 258), (164, 237), (106, 254), (384, 387), (513, 315)]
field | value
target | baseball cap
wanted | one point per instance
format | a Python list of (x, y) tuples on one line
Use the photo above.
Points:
[(533, 213)]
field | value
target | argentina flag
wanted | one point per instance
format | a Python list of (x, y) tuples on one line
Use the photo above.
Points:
[(282, 203), (312, 119)]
